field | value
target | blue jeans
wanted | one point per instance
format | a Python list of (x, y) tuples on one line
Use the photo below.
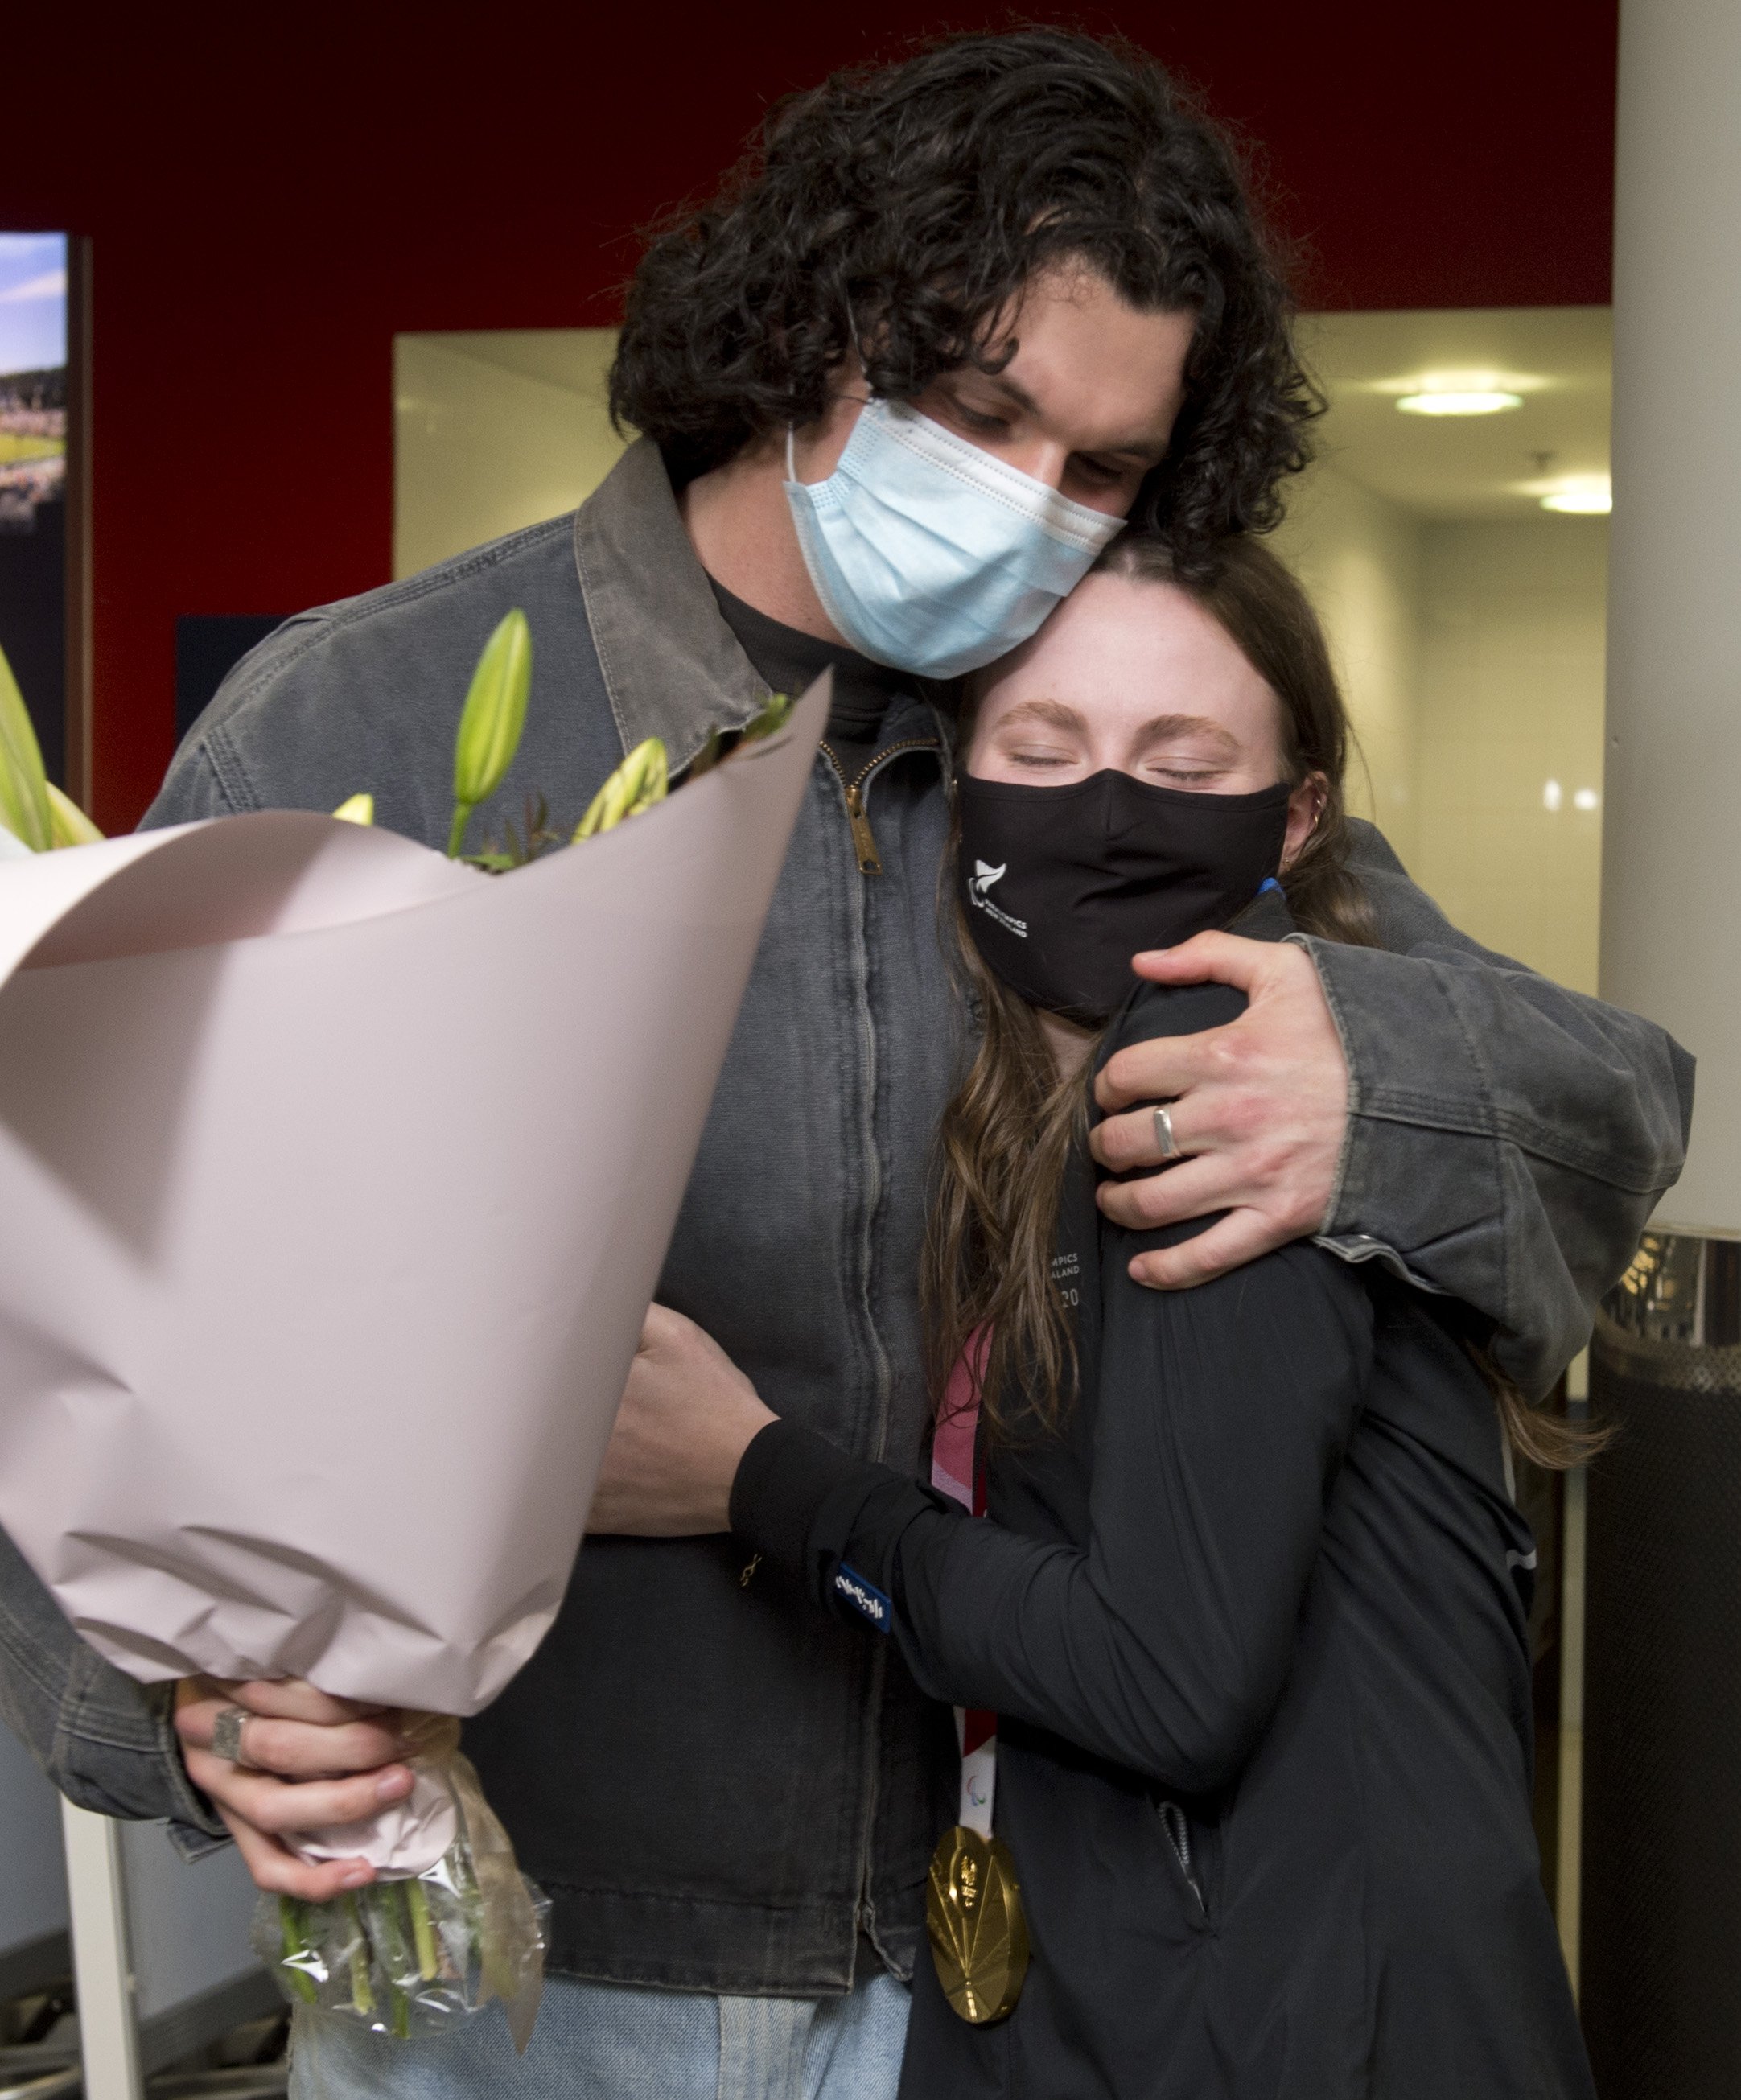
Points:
[(603, 2041)]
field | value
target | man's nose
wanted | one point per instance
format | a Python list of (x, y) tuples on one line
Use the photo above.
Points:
[(1041, 459)]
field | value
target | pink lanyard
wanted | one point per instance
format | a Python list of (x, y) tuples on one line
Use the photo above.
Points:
[(955, 1473)]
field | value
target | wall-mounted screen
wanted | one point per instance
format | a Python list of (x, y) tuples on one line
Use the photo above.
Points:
[(33, 403)]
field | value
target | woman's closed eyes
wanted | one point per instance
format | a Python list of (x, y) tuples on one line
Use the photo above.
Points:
[(1050, 742)]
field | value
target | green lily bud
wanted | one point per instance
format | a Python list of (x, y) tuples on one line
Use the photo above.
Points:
[(67, 824), (356, 809), (24, 785), (721, 744), (642, 780), (491, 720), (774, 715)]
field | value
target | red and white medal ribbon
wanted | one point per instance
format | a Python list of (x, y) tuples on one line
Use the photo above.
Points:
[(955, 1473)]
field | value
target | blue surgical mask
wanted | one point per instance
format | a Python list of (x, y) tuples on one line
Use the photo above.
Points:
[(931, 556)]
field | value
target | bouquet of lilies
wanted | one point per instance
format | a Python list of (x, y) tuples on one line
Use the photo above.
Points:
[(243, 1065)]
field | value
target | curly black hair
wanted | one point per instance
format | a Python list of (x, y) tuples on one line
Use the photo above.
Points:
[(906, 206)]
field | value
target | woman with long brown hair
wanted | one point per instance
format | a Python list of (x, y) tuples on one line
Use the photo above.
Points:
[(1238, 1643)]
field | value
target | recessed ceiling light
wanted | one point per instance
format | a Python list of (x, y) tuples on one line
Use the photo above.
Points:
[(1584, 495), (1467, 401)]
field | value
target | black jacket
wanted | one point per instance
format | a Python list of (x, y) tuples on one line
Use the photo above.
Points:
[(1269, 1576)]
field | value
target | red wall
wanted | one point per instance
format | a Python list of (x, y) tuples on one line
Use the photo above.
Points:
[(271, 198)]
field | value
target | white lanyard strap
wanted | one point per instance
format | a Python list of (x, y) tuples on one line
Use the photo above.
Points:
[(955, 1473)]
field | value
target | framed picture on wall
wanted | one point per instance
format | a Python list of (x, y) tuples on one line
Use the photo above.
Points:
[(43, 569)]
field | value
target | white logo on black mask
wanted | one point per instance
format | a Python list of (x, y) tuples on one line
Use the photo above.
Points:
[(979, 882)]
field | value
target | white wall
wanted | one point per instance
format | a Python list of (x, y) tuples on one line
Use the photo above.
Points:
[(1512, 648), (482, 449), (1357, 553), (1471, 656), (1672, 942)]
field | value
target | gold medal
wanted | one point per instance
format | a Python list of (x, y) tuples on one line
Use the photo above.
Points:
[(979, 1937)]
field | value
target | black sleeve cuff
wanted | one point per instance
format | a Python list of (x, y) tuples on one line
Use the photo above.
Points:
[(834, 1521), (783, 1480)]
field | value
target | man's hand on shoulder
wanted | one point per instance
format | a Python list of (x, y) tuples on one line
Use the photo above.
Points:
[(1259, 1108)]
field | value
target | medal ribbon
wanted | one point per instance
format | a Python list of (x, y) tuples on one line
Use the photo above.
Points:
[(955, 1472)]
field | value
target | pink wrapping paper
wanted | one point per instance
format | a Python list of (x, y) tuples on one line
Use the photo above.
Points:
[(335, 1181)]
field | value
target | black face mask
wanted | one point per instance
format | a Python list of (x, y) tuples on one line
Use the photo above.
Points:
[(1061, 886)]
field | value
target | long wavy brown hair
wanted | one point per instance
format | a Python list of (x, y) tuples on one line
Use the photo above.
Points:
[(1005, 1138)]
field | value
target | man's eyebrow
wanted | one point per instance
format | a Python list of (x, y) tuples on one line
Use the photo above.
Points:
[(1164, 726), (1012, 389), (1151, 448)]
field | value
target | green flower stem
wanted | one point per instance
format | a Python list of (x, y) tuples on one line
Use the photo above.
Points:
[(295, 1942), (361, 1995), (456, 837), (387, 1929), (470, 1896), (422, 1931)]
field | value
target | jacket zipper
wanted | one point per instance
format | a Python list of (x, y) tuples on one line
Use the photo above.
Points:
[(864, 839), (1179, 1837), (871, 863), (864, 1909)]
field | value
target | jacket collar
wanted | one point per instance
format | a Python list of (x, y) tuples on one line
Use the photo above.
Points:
[(672, 668)]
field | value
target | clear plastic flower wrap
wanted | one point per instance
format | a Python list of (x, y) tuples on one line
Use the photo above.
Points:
[(412, 1954)]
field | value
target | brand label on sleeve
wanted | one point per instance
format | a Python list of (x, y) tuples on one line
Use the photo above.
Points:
[(864, 1597)]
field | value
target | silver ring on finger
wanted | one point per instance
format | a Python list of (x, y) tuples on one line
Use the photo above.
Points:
[(1164, 1137), (226, 1734)]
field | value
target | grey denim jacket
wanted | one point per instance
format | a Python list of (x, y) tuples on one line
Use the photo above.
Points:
[(1507, 1141)]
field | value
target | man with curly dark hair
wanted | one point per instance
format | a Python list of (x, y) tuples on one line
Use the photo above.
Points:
[(892, 225), (952, 323)]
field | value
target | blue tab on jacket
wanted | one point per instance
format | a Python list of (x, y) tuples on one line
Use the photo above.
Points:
[(864, 1597)]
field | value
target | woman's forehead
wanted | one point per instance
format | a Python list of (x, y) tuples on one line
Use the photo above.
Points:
[(1141, 651)]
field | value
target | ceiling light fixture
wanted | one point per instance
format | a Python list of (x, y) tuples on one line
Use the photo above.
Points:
[(1459, 401), (1581, 495)]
